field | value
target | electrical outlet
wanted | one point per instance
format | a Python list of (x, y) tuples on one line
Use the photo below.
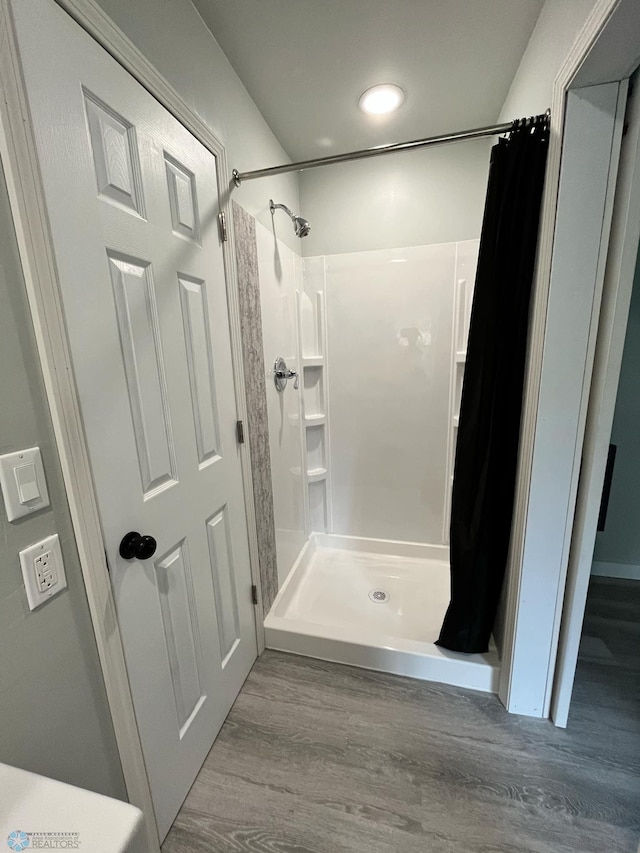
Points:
[(43, 571), (46, 573)]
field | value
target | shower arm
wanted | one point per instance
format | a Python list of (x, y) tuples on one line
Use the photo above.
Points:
[(273, 207)]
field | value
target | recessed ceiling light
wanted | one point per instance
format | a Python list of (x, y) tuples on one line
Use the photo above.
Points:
[(382, 99)]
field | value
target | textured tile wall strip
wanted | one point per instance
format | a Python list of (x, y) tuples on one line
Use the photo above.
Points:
[(252, 350)]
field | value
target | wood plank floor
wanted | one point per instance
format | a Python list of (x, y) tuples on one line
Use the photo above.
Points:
[(326, 758)]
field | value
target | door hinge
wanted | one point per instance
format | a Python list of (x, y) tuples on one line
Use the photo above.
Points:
[(222, 227), (240, 432), (254, 594)]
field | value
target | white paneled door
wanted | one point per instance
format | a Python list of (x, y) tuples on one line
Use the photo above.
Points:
[(132, 202)]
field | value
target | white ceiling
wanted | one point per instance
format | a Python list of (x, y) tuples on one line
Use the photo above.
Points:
[(306, 62)]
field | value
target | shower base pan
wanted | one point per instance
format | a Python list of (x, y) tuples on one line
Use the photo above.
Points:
[(374, 604)]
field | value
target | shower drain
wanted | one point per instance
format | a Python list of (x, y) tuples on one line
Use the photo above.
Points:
[(379, 596)]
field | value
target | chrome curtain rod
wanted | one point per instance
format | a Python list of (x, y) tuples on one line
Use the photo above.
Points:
[(476, 133)]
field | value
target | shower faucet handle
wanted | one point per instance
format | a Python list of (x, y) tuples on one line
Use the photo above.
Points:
[(282, 374), (288, 374)]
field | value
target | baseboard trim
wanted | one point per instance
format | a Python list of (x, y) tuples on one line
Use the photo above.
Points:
[(627, 571)]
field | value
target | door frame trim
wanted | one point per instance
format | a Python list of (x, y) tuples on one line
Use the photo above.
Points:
[(26, 194), (610, 341), (517, 670)]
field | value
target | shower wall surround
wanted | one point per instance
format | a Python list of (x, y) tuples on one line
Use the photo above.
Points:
[(396, 334), (365, 447)]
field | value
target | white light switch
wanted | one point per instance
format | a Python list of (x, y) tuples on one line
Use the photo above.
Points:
[(43, 571), (23, 484), (27, 481)]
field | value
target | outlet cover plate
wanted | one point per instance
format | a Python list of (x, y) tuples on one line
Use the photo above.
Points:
[(43, 571)]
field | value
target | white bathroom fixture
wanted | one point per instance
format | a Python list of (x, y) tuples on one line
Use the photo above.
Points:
[(38, 812), (376, 604)]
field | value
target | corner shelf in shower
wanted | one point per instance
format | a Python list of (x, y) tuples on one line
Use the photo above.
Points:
[(313, 390), (315, 420), (311, 307), (463, 294), (315, 474)]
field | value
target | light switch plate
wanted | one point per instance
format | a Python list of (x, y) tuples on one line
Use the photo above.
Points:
[(43, 571), (23, 483)]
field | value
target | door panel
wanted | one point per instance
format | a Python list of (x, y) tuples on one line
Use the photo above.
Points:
[(180, 622), (143, 363), (132, 202), (115, 156), (224, 582), (201, 369), (182, 199)]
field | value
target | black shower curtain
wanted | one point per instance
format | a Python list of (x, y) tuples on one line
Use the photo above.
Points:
[(489, 423)]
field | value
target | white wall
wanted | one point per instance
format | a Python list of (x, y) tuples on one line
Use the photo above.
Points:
[(173, 36), (559, 23), (411, 199), (53, 705), (620, 541), (390, 340), (280, 271)]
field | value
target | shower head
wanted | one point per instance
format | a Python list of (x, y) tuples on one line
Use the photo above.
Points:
[(300, 225)]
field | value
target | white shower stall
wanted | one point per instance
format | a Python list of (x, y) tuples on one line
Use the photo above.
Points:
[(362, 451)]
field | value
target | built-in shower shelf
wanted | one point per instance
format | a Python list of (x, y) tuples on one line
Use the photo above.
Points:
[(312, 342), (315, 420), (315, 474), (466, 259)]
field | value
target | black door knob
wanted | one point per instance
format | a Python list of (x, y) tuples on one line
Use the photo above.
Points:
[(135, 546)]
